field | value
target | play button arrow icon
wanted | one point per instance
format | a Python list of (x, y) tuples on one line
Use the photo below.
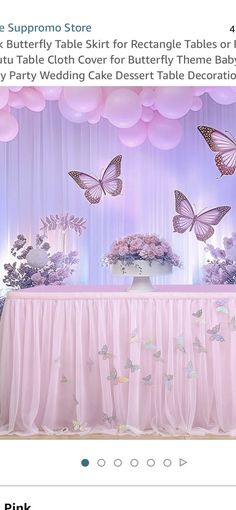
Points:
[(182, 462)]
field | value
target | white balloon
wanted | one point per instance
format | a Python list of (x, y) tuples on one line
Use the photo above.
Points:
[(37, 257)]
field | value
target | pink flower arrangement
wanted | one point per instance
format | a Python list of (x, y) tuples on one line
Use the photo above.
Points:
[(144, 247)]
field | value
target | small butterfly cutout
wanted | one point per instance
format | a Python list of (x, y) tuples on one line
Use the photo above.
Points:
[(115, 378), (63, 379), (198, 346), (108, 419), (224, 145), (104, 353), (168, 381), (147, 380), (122, 428), (79, 427), (221, 306), (129, 365), (179, 342), (198, 314), (200, 223), (90, 364), (108, 183), (157, 356), (190, 371), (232, 323), (134, 337), (215, 335), (149, 345)]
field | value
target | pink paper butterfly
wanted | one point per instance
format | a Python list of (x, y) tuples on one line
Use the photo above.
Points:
[(108, 183), (202, 223), (224, 145)]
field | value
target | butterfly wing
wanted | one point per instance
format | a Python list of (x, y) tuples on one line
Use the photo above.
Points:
[(110, 182), (185, 217), (203, 224), (220, 142), (91, 184)]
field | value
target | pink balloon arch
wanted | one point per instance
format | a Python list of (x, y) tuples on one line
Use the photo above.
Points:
[(138, 113)]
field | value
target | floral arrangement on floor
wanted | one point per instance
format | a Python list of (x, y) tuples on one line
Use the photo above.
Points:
[(20, 274), (222, 269), (141, 247)]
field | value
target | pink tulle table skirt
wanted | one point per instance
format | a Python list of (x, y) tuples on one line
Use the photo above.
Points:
[(85, 360)]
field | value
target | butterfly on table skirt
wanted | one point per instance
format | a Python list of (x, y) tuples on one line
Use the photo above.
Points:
[(147, 380), (115, 379), (79, 427), (200, 223), (134, 337), (130, 366), (149, 345), (63, 379), (179, 343), (198, 314), (198, 346), (215, 333), (104, 353), (189, 370), (108, 419), (232, 323), (122, 428), (108, 183), (221, 306), (168, 378), (224, 145), (157, 356)]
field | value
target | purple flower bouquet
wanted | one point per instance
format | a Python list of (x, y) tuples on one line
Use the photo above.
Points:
[(222, 269)]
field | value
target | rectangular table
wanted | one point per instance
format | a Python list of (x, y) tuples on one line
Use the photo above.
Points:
[(81, 360)]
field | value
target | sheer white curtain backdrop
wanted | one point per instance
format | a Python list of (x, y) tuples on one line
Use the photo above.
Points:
[(34, 182)]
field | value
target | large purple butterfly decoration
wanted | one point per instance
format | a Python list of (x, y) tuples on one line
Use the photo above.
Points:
[(224, 145), (202, 223), (108, 183)]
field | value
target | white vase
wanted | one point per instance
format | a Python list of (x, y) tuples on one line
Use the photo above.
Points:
[(141, 271)]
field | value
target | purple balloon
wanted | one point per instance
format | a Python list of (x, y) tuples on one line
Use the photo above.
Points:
[(8, 126), (133, 136), (174, 102), (4, 95), (163, 133), (147, 96), (69, 113), (222, 95), (147, 114), (123, 108), (197, 104), (32, 99), (50, 93), (15, 100), (83, 99)]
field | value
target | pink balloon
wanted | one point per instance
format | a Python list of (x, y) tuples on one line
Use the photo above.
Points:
[(83, 99), (50, 93), (32, 99), (147, 96), (6, 108), (199, 91), (133, 136), (15, 89), (69, 113), (147, 114), (123, 108), (8, 127), (197, 104), (15, 100), (95, 116), (222, 95), (163, 133), (4, 94), (174, 102)]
